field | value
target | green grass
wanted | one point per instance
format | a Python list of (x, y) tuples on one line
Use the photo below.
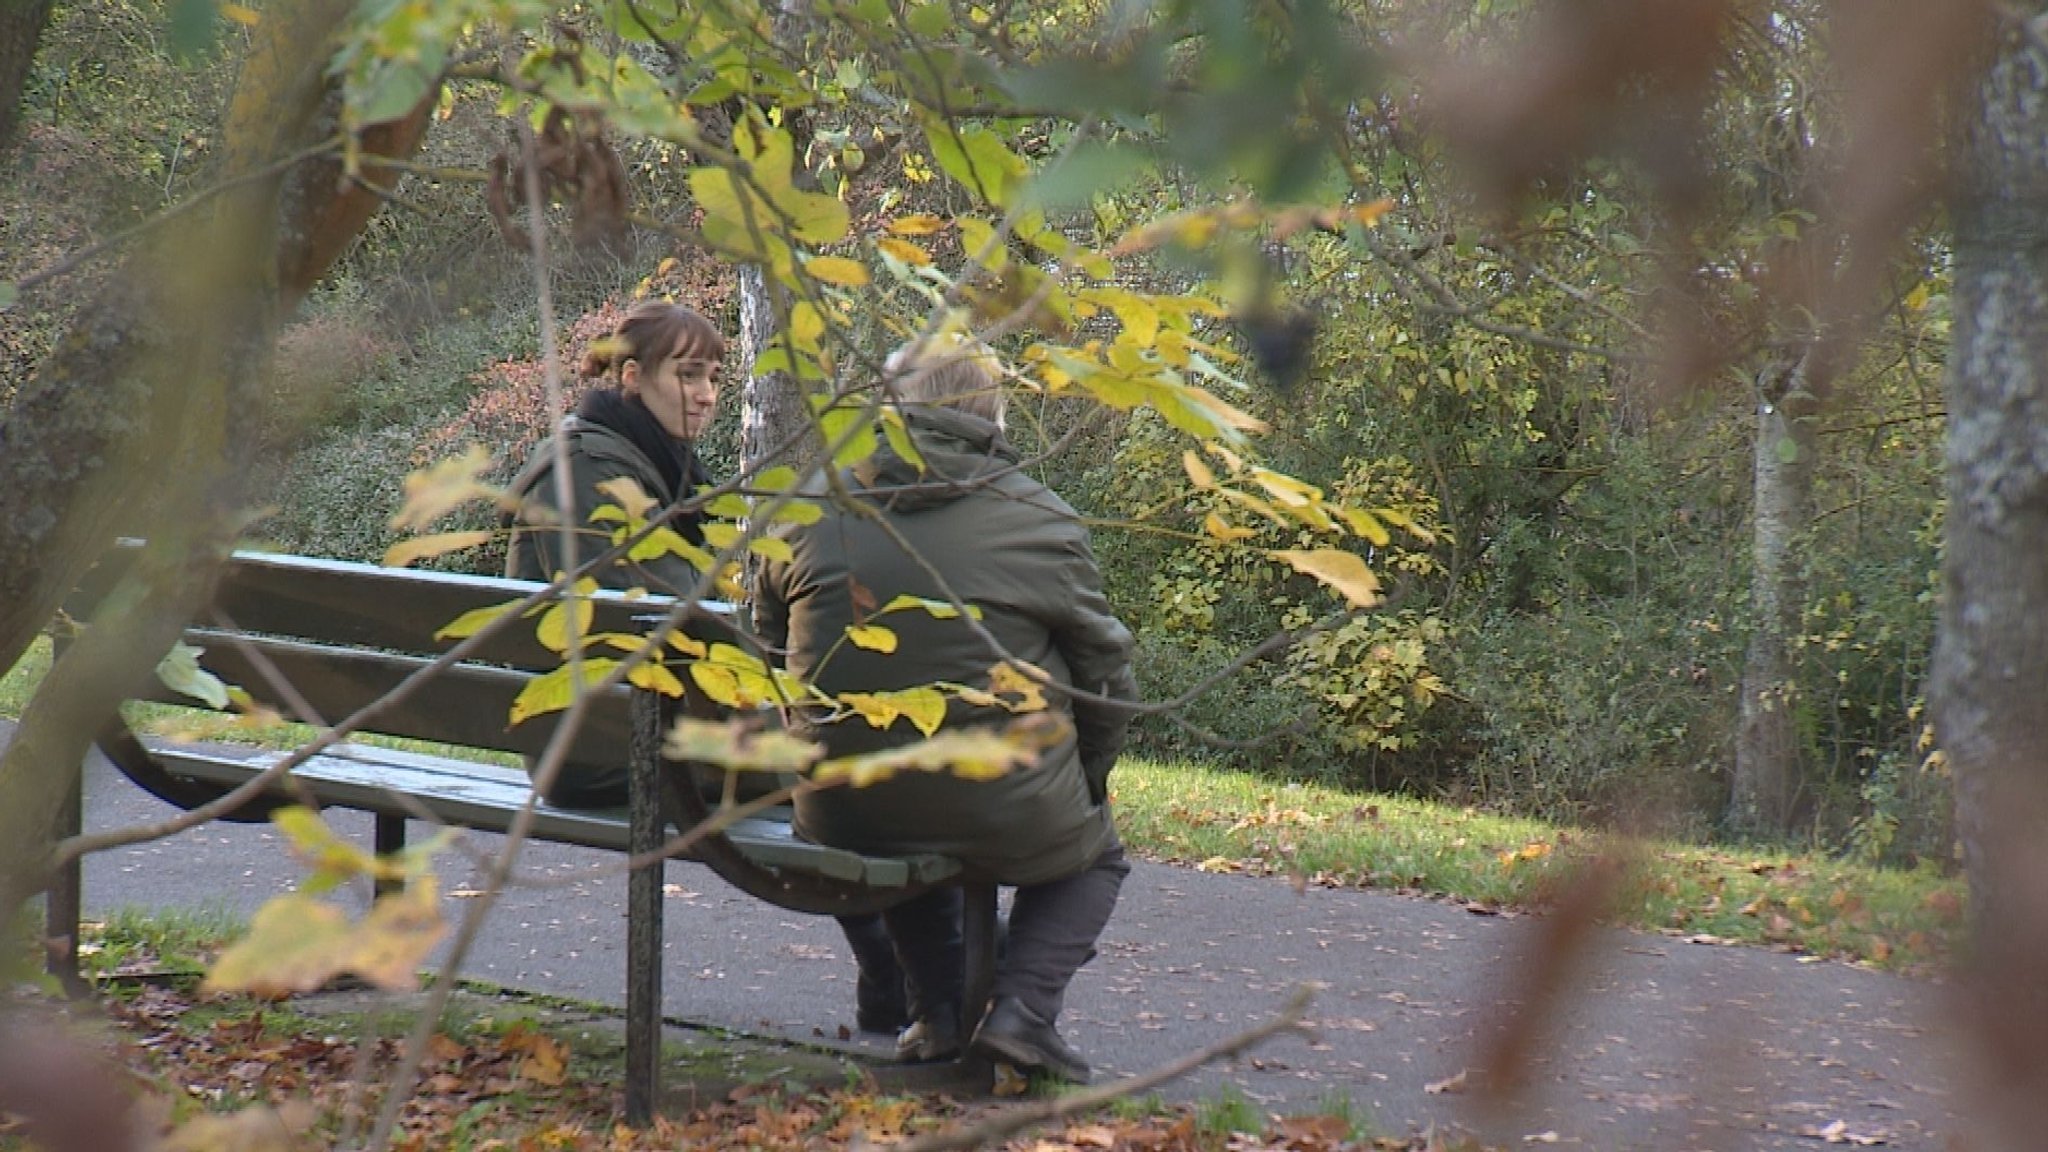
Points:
[(1233, 822)]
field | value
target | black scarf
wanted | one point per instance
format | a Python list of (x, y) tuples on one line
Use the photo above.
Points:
[(676, 460)]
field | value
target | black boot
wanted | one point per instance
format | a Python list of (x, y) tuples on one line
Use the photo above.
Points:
[(879, 1002), (1015, 1035)]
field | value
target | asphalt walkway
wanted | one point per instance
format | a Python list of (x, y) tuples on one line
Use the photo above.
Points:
[(1667, 1045)]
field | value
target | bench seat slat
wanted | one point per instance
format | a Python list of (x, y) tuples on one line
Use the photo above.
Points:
[(486, 797)]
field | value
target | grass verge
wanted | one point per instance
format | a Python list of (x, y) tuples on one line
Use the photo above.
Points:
[(1232, 822)]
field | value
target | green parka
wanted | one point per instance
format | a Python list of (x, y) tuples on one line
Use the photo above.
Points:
[(597, 455), (1008, 546)]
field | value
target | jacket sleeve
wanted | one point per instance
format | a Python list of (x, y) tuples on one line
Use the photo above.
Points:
[(1097, 648)]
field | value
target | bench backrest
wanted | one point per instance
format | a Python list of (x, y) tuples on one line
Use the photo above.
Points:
[(343, 634)]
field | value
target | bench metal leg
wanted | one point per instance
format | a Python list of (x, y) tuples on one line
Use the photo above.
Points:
[(978, 928), (645, 833), (63, 903), (389, 838)]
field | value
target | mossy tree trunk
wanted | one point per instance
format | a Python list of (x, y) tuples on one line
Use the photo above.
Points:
[(21, 31), (130, 425), (1990, 681)]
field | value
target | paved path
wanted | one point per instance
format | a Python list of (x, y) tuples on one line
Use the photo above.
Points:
[(1668, 1046)]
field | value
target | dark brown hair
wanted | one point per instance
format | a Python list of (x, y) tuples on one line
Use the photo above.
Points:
[(651, 331)]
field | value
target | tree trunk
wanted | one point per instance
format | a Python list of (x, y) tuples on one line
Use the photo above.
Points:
[(772, 411), (130, 424), (1990, 677), (21, 30), (1767, 748)]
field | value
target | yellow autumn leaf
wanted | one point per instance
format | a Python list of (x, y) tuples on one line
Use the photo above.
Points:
[(1370, 214), (241, 14), (734, 745), (1198, 470), (1222, 530), (553, 630), (474, 621), (297, 943), (655, 678), (878, 710), (632, 498), (872, 637), (837, 270), (916, 224), (1344, 572), (971, 754), (433, 492), (556, 690), (1007, 679), (904, 250)]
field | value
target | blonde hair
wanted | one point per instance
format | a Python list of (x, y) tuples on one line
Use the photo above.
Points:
[(948, 370)]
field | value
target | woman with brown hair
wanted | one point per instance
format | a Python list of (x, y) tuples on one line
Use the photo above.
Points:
[(665, 360)]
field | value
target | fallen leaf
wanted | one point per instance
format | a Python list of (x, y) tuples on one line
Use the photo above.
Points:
[(1449, 1086)]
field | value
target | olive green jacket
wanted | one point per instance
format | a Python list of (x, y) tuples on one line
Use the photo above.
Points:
[(1007, 545), (597, 456)]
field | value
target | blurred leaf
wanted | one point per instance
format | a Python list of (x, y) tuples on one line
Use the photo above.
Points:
[(633, 499), (191, 28), (837, 270), (180, 671), (971, 754), (297, 943), (438, 544), (444, 486), (733, 744)]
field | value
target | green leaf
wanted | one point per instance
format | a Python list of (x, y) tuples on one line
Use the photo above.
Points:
[(977, 158), (10, 293), (1787, 450), (772, 548), (181, 673)]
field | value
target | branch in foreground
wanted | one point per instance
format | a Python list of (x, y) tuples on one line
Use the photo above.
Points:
[(1008, 1123)]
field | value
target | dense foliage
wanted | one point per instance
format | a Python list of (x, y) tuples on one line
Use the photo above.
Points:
[(1564, 541)]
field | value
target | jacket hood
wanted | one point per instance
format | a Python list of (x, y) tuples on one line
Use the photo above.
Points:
[(959, 450)]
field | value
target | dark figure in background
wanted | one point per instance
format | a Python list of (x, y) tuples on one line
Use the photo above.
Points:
[(665, 360), (1007, 545)]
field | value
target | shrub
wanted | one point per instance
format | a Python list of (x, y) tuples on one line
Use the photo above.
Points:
[(1608, 712)]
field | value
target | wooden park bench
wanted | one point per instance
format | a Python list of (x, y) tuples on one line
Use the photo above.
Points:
[(343, 635)]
